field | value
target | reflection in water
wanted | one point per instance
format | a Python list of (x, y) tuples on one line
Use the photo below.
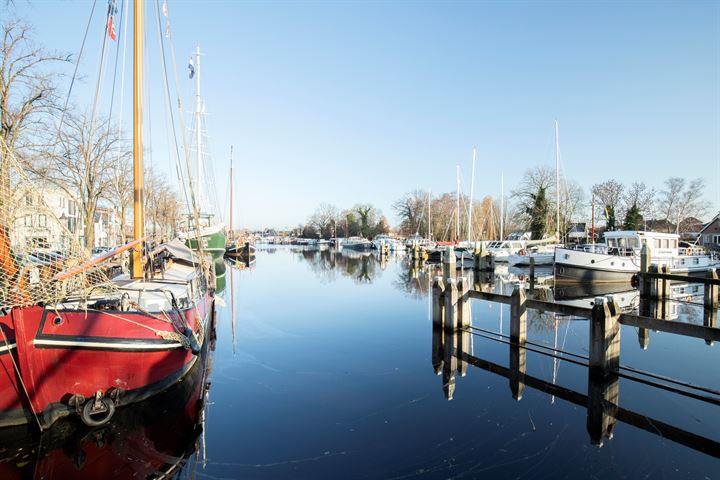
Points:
[(153, 439), (362, 267), (601, 400)]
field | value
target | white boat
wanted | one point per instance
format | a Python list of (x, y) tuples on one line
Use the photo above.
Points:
[(502, 249), (356, 243), (392, 242), (542, 255), (618, 259), (421, 241)]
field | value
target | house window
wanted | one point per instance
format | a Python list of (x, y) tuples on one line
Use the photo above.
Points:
[(42, 220), (716, 239), (28, 200), (28, 220)]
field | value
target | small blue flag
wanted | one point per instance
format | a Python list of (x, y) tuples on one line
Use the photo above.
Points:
[(191, 67)]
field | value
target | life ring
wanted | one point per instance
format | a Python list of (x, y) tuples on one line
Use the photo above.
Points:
[(94, 415)]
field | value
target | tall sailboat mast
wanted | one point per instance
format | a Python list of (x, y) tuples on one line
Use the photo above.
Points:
[(457, 206), (198, 129), (429, 229), (472, 191), (502, 206), (557, 184), (231, 194), (138, 218)]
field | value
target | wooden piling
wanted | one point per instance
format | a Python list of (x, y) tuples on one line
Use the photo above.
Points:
[(532, 275), (438, 293), (645, 259), (437, 349), (644, 338), (464, 302), (711, 291), (710, 302), (517, 363), (450, 362), (451, 305), (602, 407), (463, 346), (604, 336), (518, 316), (449, 270)]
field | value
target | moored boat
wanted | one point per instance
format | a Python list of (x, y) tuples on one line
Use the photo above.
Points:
[(618, 259), (356, 243)]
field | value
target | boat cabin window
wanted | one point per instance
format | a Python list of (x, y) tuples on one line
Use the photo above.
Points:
[(657, 243), (612, 242)]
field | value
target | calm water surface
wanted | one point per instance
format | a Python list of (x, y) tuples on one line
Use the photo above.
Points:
[(330, 368), (330, 375)]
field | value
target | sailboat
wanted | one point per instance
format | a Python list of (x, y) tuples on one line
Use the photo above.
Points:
[(235, 250), (74, 342), (211, 234)]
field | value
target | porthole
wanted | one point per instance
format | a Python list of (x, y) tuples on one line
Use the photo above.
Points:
[(57, 320), (592, 261)]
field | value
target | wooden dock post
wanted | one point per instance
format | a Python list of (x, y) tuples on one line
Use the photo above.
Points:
[(463, 347), (643, 337), (437, 349), (449, 270), (532, 275), (604, 336), (654, 289), (602, 408), (710, 302), (645, 259), (450, 363), (438, 293), (517, 363), (463, 287), (518, 316), (451, 305), (711, 291)]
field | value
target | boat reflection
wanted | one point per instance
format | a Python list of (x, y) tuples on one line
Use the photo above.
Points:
[(153, 439)]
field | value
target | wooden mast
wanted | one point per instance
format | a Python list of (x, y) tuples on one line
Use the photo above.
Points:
[(138, 217)]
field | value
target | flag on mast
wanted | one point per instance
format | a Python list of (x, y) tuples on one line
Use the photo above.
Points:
[(111, 28), (191, 68), (164, 8)]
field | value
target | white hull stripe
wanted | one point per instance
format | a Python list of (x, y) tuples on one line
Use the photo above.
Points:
[(107, 345), (7, 348)]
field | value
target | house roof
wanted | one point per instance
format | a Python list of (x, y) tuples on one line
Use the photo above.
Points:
[(715, 218)]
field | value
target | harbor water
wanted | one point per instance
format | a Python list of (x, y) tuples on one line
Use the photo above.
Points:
[(326, 365)]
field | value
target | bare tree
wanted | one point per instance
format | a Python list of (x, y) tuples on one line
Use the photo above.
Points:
[(120, 190), (87, 154), (681, 199), (325, 219), (411, 208), (27, 97)]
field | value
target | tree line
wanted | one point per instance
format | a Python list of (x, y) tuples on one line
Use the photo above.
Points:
[(328, 221), (532, 206)]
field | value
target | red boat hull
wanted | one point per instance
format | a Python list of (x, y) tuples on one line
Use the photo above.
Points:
[(63, 354)]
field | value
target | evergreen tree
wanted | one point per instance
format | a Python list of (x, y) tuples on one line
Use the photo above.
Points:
[(633, 219), (610, 221), (538, 214)]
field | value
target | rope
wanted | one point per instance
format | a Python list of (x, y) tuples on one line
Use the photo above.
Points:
[(20, 378)]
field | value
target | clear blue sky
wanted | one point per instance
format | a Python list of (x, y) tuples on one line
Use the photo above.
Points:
[(346, 102)]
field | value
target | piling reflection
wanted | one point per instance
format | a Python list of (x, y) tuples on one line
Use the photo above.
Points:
[(153, 439), (601, 400)]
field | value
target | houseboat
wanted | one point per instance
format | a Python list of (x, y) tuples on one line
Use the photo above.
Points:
[(618, 259)]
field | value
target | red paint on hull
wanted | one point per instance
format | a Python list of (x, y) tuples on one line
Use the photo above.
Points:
[(66, 353)]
